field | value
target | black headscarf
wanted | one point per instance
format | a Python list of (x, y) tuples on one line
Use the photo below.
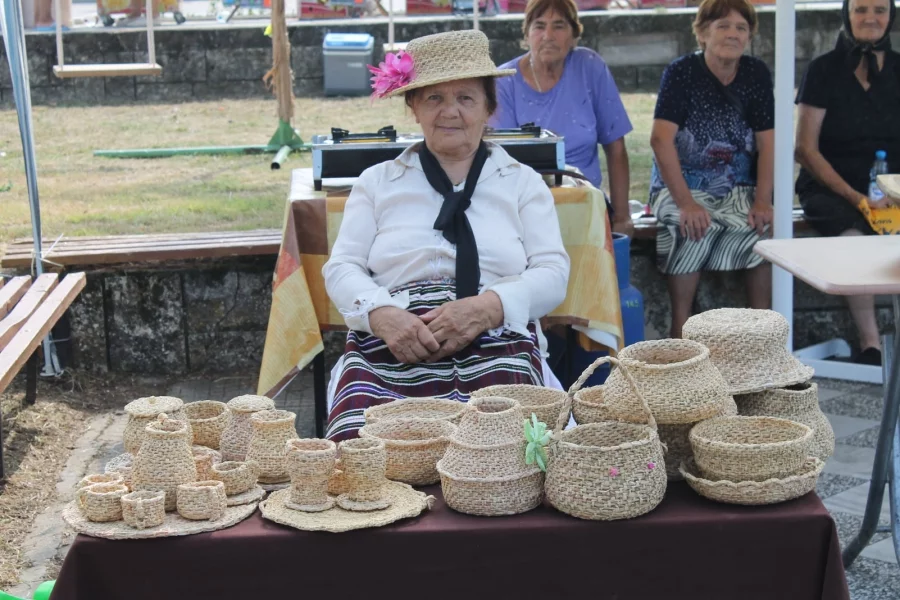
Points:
[(854, 50)]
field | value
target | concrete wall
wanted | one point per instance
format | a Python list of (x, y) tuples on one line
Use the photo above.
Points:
[(204, 63)]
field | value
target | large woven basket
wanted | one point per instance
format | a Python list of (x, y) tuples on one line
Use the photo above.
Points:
[(749, 448), (483, 471), (798, 403), (413, 447), (542, 401), (676, 378), (606, 471), (417, 408)]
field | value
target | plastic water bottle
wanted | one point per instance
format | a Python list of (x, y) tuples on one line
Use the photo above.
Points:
[(879, 167)]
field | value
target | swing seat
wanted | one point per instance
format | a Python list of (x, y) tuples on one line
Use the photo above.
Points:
[(107, 70)]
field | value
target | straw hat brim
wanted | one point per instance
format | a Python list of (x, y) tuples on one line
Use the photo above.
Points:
[(770, 491), (455, 77), (174, 524), (405, 503), (765, 376)]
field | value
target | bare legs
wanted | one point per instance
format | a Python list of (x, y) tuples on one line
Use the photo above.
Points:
[(862, 310), (43, 13), (683, 288)]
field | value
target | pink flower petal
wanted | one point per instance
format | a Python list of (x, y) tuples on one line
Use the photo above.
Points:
[(651, 465), (614, 472)]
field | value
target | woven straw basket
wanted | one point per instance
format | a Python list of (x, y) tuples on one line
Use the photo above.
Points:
[(413, 446), (144, 410), (236, 437), (417, 408), (606, 471), (271, 431), (165, 460), (769, 491), (678, 445), (208, 419), (676, 378), (542, 401), (749, 448), (798, 403), (484, 471)]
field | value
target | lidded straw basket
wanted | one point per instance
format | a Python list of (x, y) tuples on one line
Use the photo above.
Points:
[(165, 460), (606, 471), (798, 403), (676, 377), (413, 447), (144, 410), (483, 471), (208, 419), (417, 408), (542, 401), (749, 448)]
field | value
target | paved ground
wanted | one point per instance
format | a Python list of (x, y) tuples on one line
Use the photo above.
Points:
[(853, 409)]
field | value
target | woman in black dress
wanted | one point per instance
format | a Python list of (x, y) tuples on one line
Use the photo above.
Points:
[(849, 104)]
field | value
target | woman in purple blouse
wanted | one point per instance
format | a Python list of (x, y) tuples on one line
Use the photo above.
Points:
[(570, 91)]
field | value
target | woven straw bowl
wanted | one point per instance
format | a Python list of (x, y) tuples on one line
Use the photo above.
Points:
[(417, 408), (208, 419), (100, 478), (202, 500), (413, 447), (542, 401), (238, 477), (101, 502), (676, 378), (769, 491), (749, 448), (748, 347), (494, 497), (798, 403), (676, 440), (606, 471), (144, 509), (588, 406), (490, 421)]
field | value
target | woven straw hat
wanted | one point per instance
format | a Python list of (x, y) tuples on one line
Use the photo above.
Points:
[(749, 347), (450, 56)]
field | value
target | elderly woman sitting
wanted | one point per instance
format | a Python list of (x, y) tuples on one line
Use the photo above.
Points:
[(447, 255), (570, 91), (849, 101), (713, 142)]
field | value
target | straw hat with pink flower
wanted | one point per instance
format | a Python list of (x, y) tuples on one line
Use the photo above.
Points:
[(434, 59)]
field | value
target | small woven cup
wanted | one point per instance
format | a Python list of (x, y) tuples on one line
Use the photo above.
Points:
[(208, 419), (203, 461), (144, 509), (238, 477), (310, 463), (100, 478), (101, 502), (363, 461), (201, 500)]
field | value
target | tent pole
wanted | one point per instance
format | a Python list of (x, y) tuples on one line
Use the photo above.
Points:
[(782, 281)]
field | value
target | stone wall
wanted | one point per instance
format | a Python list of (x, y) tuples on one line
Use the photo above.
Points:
[(213, 315), (203, 63)]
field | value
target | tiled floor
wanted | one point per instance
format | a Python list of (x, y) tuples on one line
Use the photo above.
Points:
[(853, 409)]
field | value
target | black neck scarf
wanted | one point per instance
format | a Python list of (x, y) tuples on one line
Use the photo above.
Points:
[(854, 51), (452, 220)]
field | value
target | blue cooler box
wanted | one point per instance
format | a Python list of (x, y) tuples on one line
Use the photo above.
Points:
[(345, 56)]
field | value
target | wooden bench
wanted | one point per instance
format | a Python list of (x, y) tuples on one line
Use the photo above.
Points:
[(29, 310)]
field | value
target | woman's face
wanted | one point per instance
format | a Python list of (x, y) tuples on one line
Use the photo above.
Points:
[(869, 19), (452, 116), (726, 38), (550, 37)]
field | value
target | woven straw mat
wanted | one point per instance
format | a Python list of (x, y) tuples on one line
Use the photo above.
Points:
[(769, 491), (405, 503)]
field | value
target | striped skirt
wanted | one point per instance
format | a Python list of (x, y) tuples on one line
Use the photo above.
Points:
[(727, 245), (369, 374)]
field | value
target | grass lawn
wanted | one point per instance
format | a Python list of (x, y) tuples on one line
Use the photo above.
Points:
[(85, 195)]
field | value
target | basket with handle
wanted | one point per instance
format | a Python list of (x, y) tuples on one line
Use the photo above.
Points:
[(608, 470)]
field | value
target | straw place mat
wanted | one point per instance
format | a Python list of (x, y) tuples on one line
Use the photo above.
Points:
[(405, 503), (174, 525), (254, 494), (274, 487)]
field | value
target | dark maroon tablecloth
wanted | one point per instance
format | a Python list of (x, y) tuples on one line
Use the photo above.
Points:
[(688, 548)]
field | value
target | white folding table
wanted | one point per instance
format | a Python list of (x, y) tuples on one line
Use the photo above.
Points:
[(848, 266)]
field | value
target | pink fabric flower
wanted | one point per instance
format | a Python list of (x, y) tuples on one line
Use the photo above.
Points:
[(614, 472), (651, 465), (395, 72)]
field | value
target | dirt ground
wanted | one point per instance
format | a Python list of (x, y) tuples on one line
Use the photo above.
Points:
[(37, 441)]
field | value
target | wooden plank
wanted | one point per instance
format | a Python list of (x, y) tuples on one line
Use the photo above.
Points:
[(148, 236), (113, 247), (38, 325), (107, 70), (27, 305), (11, 292)]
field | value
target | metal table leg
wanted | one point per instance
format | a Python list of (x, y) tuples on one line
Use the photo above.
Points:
[(887, 462), (319, 393)]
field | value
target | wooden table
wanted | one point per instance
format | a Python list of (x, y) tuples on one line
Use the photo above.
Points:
[(849, 266)]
